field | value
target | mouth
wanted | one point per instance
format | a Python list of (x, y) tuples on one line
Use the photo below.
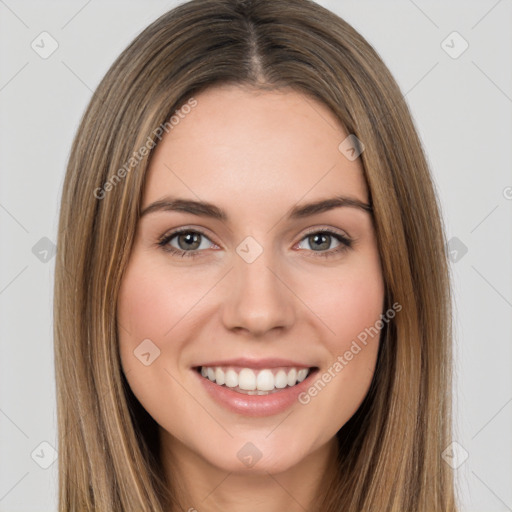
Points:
[(252, 381)]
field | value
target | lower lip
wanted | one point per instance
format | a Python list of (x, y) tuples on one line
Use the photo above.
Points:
[(255, 405)]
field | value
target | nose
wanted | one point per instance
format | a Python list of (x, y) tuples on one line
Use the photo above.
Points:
[(258, 299)]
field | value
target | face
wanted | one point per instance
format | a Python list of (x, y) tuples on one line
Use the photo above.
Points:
[(254, 292)]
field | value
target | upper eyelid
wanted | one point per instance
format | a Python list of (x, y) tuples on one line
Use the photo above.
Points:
[(333, 231)]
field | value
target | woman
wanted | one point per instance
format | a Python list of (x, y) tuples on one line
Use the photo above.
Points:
[(252, 307)]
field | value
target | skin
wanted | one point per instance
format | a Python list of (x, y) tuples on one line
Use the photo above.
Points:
[(256, 155)]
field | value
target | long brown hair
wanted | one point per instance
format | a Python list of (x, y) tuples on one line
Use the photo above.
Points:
[(390, 451)]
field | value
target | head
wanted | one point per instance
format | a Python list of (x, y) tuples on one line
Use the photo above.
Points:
[(252, 107)]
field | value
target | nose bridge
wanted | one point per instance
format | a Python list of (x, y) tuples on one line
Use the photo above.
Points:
[(258, 300)]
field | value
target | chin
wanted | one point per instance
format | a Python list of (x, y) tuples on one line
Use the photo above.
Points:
[(258, 454)]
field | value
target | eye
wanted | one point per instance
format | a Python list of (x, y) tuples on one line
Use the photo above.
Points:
[(319, 241), (188, 242)]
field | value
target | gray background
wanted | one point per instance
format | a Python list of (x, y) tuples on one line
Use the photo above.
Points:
[(462, 109)]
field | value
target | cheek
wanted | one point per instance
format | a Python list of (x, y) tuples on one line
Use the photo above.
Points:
[(357, 306), (152, 301), (348, 302), (147, 309), (350, 311), (150, 309), (160, 304)]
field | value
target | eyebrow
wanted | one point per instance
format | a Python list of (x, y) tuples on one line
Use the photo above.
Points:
[(205, 209)]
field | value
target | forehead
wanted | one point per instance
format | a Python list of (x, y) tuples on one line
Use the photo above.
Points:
[(264, 148)]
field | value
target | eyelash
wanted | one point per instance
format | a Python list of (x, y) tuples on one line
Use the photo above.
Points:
[(345, 243)]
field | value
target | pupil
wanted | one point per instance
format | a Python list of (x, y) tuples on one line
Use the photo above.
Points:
[(190, 239), (324, 237)]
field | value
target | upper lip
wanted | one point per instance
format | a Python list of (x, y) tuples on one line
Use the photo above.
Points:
[(271, 362)]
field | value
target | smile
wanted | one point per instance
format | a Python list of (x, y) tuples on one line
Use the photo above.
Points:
[(248, 381)]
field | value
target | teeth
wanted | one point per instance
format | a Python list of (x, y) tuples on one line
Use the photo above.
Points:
[(254, 382), (281, 379), (302, 374), (292, 377), (231, 379), (219, 376), (265, 381), (247, 380)]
